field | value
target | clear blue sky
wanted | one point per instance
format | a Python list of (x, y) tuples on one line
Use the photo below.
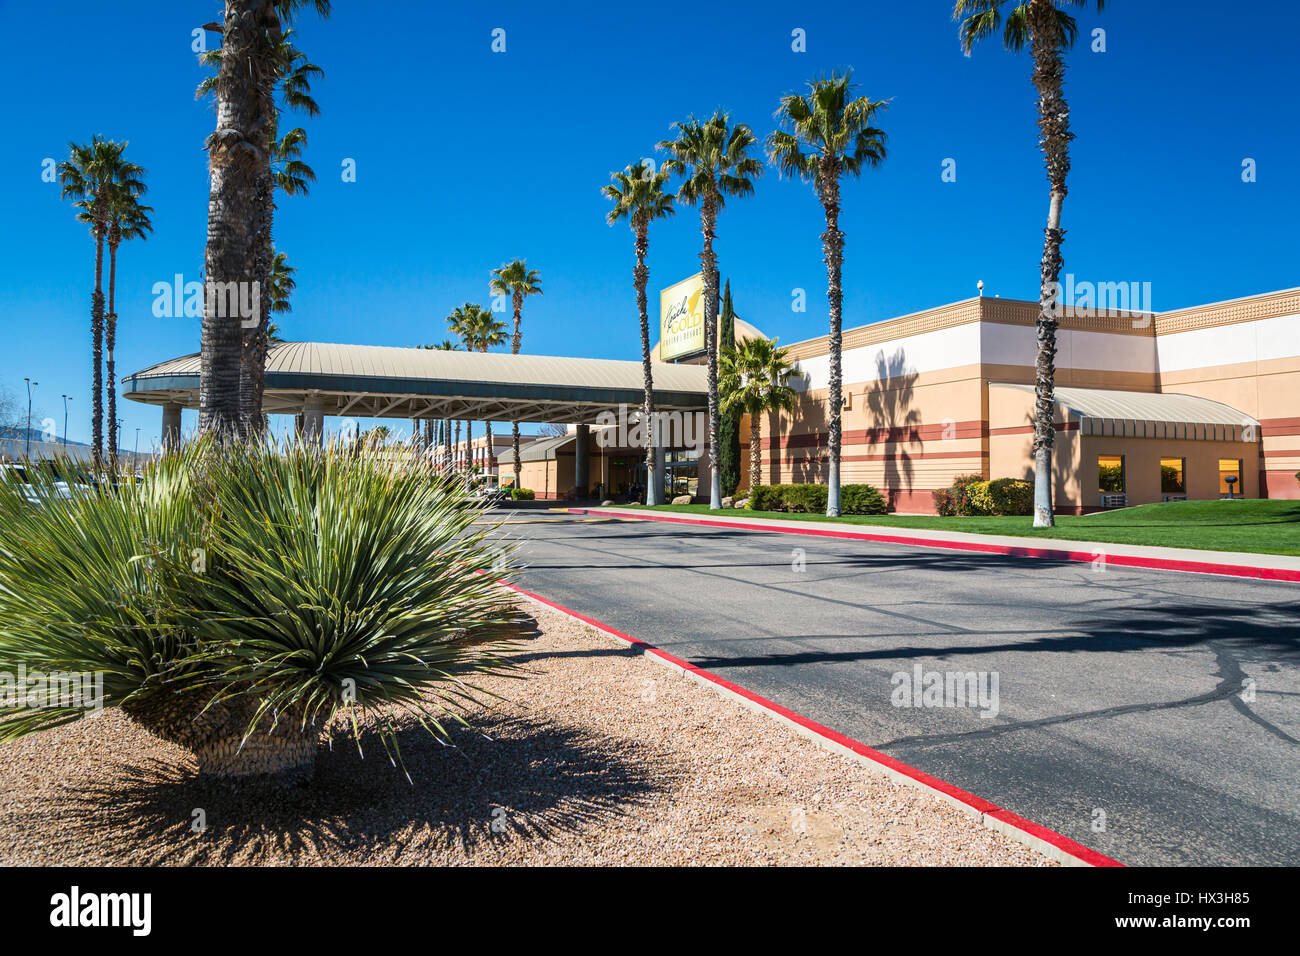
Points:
[(467, 158)]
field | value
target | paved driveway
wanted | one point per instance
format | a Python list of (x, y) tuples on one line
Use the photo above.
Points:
[(1153, 716)]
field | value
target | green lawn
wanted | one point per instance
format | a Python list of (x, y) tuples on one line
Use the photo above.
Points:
[(1264, 527)]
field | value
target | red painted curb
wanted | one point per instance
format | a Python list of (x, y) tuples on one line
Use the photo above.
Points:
[(1121, 560), (979, 804)]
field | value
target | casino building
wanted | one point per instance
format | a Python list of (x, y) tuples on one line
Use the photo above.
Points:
[(1150, 407), (1196, 403)]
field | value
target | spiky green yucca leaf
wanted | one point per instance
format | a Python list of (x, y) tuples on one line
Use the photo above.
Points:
[(304, 580)]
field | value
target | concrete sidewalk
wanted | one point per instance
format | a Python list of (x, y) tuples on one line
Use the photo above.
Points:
[(1268, 567)]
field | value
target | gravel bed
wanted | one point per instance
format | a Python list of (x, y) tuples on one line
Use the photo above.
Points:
[(598, 757)]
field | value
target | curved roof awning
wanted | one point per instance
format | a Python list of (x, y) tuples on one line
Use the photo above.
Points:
[(374, 381), (1167, 415)]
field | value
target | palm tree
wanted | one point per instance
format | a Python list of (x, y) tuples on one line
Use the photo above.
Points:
[(755, 381), (518, 281), (712, 157), (127, 219), (90, 174), (291, 176), (638, 196), (240, 195), (281, 286), (285, 171), (1049, 31), (823, 136)]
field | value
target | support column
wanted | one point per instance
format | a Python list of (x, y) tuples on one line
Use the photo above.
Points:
[(171, 426), (582, 461), (313, 420)]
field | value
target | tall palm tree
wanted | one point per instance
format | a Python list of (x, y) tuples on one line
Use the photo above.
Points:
[(755, 380), (127, 219), (285, 171), (824, 136), (638, 196), (1049, 31), (240, 192), (90, 174), (712, 157), (518, 281)]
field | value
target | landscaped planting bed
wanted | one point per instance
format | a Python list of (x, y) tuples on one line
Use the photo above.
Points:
[(600, 756)]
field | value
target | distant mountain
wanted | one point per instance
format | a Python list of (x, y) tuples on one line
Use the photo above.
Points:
[(19, 433)]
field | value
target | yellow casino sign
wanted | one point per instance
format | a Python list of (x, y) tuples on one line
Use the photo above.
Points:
[(681, 319)]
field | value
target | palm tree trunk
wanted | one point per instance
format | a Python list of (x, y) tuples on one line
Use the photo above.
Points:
[(491, 452), (641, 278), (97, 352), (110, 342), (454, 448), (516, 342), (1054, 138), (709, 263), (237, 155), (252, 358), (833, 251), (755, 454), (469, 447)]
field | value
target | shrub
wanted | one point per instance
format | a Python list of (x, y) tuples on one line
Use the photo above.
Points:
[(522, 494), (811, 499), (1010, 496), (803, 499), (239, 598), (766, 498), (945, 502), (862, 500), (962, 493)]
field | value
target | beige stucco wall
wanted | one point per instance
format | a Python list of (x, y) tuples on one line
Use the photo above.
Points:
[(920, 409)]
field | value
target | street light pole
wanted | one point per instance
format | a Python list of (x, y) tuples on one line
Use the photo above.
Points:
[(65, 420), (135, 452), (27, 438)]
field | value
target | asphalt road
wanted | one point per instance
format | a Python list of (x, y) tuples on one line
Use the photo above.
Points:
[(1153, 716)]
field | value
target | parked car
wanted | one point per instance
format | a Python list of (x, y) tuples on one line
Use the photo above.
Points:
[(20, 472), (490, 493)]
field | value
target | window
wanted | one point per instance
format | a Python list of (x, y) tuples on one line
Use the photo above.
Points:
[(1230, 467), (1110, 474), (1171, 476)]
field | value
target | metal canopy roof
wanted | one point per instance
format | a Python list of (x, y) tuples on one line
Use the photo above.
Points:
[(375, 381), (539, 449), (1149, 414)]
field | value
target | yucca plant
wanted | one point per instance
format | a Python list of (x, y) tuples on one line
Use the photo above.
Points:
[(241, 597)]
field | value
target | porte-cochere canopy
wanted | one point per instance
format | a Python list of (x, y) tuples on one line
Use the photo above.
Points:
[(375, 381)]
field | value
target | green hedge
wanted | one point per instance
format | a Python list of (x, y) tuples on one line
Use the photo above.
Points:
[(522, 494), (1008, 496), (811, 499)]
